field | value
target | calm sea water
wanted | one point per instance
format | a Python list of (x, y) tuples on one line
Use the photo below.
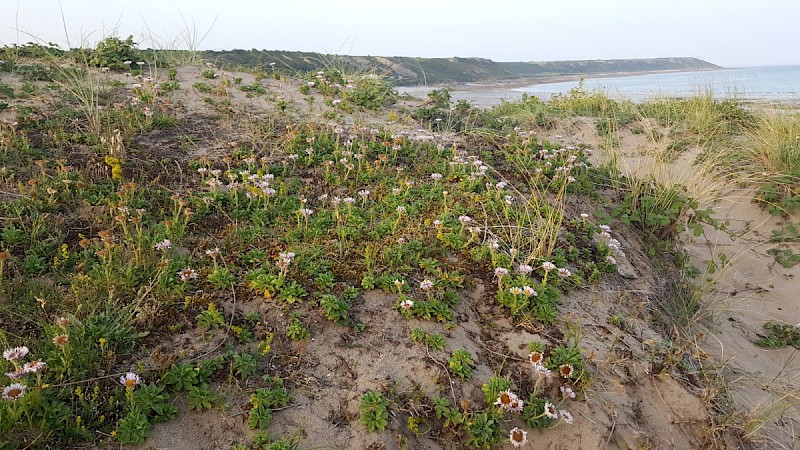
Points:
[(756, 83)]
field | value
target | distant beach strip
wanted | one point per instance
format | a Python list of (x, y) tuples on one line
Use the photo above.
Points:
[(771, 84)]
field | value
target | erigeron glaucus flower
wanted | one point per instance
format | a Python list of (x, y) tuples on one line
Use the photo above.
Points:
[(425, 284), (550, 411), (605, 228), (566, 370), (130, 380), (437, 223), (268, 191), (529, 291), (401, 209), (14, 391), (505, 398), (187, 273), (16, 375), (615, 247), (524, 269), (547, 266), (364, 193), (305, 212), (61, 340), (515, 290), (518, 437), (566, 416), (567, 391), (500, 272), (516, 405), (406, 304), (500, 185), (610, 260), (34, 366), (464, 219), (349, 200), (542, 371), (436, 176), (15, 353), (564, 273), (163, 245)]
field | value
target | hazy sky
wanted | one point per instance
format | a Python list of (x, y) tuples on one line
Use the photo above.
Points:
[(731, 33)]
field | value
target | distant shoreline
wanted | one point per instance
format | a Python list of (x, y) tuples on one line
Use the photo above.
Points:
[(491, 93), (514, 83)]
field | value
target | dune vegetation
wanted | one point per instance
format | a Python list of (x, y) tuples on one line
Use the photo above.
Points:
[(270, 259)]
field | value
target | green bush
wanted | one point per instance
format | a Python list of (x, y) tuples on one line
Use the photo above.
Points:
[(372, 92), (113, 52)]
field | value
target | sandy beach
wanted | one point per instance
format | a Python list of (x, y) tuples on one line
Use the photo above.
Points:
[(488, 94)]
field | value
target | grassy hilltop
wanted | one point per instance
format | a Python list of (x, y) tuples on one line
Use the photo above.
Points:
[(197, 257)]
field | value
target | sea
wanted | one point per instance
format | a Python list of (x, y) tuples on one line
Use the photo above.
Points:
[(750, 83), (777, 84)]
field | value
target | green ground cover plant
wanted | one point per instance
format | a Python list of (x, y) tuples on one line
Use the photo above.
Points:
[(121, 230)]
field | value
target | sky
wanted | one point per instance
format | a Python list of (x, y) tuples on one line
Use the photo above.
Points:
[(731, 33)]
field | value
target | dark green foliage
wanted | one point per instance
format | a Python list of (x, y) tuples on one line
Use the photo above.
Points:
[(113, 52), (374, 414), (154, 403), (484, 429), (134, 428), (201, 397), (780, 335)]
